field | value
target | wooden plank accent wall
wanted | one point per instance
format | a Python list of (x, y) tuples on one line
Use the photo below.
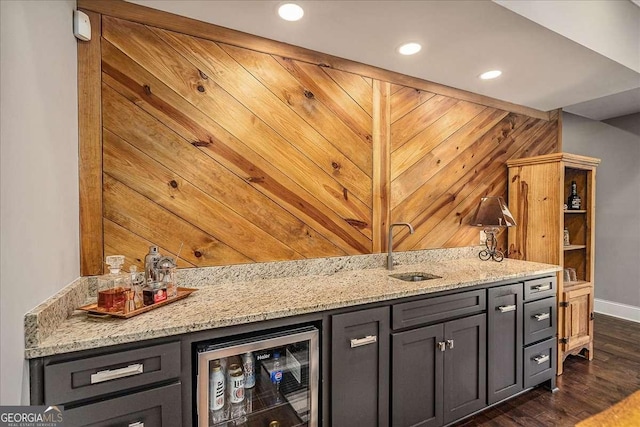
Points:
[(446, 154), (250, 156)]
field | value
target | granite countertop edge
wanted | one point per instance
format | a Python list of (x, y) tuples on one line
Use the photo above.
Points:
[(344, 289)]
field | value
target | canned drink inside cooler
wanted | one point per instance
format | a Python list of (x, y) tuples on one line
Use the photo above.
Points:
[(236, 384), (216, 386)]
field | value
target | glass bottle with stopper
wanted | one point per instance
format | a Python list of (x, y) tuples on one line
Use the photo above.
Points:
[(112, 286)]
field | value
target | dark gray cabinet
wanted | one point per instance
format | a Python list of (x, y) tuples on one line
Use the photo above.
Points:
[(439, 371), (465, 368), (360, 368), (504, 316), (417, 375)]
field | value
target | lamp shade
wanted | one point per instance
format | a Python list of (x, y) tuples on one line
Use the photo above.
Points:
[(493, 212)]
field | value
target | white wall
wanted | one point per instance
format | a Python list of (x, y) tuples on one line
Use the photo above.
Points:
[(617, 206), (39, 227), (604, 26)]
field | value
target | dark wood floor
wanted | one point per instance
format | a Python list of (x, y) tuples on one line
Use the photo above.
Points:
[(586, 388)]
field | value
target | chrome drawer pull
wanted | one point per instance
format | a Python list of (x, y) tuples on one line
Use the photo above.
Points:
[(113, 374), (137, 424), (541, 316), (507, 308), (541, 288), (541, 359), (357, 342)]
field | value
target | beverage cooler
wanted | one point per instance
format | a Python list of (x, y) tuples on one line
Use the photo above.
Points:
[(266, 381)]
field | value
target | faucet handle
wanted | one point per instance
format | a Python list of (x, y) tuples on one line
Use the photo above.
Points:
[(396, 262)]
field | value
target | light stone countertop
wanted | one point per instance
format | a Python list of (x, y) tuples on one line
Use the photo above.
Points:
[(216, 305)]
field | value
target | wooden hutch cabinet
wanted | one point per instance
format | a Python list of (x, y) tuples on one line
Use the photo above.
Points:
[(539, 188)]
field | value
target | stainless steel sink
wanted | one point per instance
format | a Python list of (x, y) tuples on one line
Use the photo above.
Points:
[(415, 277)]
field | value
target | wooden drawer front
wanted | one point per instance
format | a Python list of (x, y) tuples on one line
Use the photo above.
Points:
[(152, 408), (539, 362), (435, 309), (539, 288), (69, 381), (539, 320)]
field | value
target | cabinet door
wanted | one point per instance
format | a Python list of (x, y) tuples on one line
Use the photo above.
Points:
[(416, 378), (577, 318), (504, 310), (360, 368), (465, 367)]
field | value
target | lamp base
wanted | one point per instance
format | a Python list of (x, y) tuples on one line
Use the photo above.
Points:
[(491, 251)]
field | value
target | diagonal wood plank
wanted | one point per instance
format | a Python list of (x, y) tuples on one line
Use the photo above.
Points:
[(475, 158), (407, 99), (426, 113), (433, 135), (331, 95), (235, 80), (168, 107), (441, 203), (182, 77), (178, 155), (442, 155), (290, 92), (138, 171), (355, 86), (120, 241), (157, 225)]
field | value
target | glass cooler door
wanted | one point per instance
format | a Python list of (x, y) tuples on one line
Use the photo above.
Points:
[(268, 381)]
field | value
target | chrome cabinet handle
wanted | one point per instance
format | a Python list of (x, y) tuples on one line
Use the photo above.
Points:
[(507, 308), (541, 359), (113, 374), (442, 346), (450, 343), (369, 339), (137, 424), (541, 316), (541, 288)]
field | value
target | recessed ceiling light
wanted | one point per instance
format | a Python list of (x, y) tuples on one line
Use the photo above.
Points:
[(290, 12), (409, 49), (490, 74)]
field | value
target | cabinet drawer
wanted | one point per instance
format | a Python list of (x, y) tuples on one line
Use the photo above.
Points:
[(78, 379), (435, 309), (151, 408), (539, 362), (539, 320), (539, 288)]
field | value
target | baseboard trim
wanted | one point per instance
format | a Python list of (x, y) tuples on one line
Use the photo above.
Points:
[(616, 309)]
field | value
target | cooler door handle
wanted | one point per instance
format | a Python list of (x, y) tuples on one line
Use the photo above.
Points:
[(358, 342), (113, 374)]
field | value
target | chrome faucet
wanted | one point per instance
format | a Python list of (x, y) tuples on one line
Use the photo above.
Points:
[(390, 251)]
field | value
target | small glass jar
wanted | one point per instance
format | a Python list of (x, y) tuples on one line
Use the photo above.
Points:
[(112, 286)]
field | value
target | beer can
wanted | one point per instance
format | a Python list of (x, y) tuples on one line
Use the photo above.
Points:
[(216, 387), (236, 384), (249, 370)]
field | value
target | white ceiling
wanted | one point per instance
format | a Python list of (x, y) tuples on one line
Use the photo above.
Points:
[(543, 69)]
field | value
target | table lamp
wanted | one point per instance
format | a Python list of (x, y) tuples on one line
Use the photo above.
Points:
[(492, 215)]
